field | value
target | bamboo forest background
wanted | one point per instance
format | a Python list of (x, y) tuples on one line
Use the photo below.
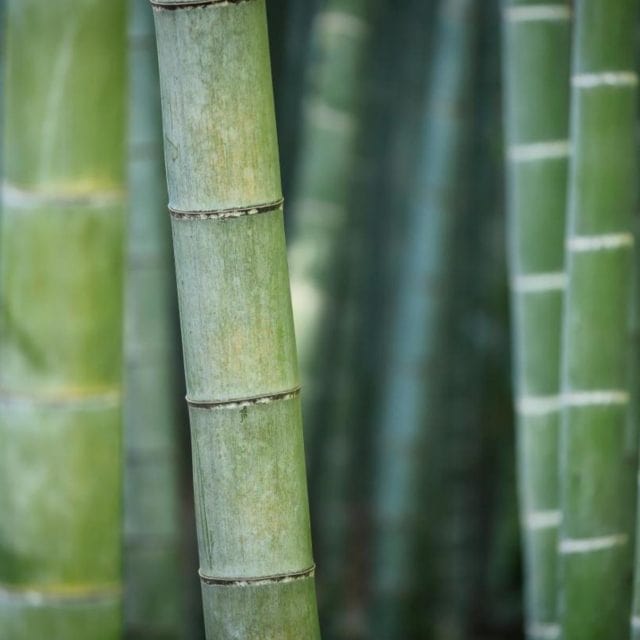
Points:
[(459, 182)]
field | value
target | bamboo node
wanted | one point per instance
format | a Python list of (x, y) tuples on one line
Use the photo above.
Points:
[(534, 151), (605, 241), (226, 214), (537, 12), (240, 403), (587, 545), (605, 79), (258, 581), (543, 631)]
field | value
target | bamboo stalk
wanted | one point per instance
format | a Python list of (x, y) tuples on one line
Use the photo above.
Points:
[(240, 362), (328, 155), (154, 602), (536, 81), (409, 395), (597, 478), (61, 245)]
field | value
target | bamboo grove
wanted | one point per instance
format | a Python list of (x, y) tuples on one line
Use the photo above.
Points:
[(319, 319)]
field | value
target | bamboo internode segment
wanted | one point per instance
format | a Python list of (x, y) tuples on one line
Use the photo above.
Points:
[(598, 465), (237, 327), (536, 79), (61, 257)]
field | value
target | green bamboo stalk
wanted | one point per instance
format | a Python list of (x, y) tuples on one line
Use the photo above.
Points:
[(154, 602), (536, 95), (597, 476), (61, 246), (409, 400), (328, 160), (240, 361)]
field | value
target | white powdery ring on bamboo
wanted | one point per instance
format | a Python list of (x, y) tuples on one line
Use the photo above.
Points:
[(342, 24), (537, 12), (29, 200), (539, 405), (587, 545), (605, 79), (537, 520), (536, 151), (543, 631), (603, 242), (596, 398), (33, 597), (539, 282), (635, 623)]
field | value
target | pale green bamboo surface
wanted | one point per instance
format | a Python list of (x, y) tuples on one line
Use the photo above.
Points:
[(536, 69), (154, 596), (60, 325), (598, 480), (237, 326)]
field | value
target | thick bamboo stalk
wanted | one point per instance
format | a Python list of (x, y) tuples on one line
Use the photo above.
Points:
[(154, 602), (536, 68), (60, 325), (240, 360), (597, 477), (411, 386)]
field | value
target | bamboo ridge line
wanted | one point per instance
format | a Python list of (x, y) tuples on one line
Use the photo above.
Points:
[(605, 79), (537, 12), (35, 596), (239, 403), (605, 241), (539, 282), (586, 545), (258, 581), (93, 401), (20, 198), (545, 150), (543, 631), (227, 214)]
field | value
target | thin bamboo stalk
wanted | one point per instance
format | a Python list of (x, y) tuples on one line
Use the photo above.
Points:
[(597, 477), (154, 602), (536, 95), (240, 361), (61, 244), (411, 386)]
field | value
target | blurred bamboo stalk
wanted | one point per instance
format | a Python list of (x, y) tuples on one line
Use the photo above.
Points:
[(410, 393), (155, 601), (328, 154), (61, 248), (536, 68), (241, 369), (598, 477)]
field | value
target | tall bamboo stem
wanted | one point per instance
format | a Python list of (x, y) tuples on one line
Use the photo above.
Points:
[(411, 385), (154, 603), (536, 85), (61, 244), (597, 478), (240, 360)]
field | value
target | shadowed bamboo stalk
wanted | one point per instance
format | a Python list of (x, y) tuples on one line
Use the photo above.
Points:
[(411, 384), (536, 80), (597, 477), (328, 161), (154, 603), (240, 360), (60, 324)]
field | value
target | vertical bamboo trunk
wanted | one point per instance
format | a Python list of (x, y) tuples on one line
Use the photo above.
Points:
[(597, 480), (154, 602), (240, 359), (411, 387), (328, 154), (60, 324), (536, 86)]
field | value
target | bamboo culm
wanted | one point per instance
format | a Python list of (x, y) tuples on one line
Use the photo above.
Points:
[(237, 326), (61, 248), (537, 44), (154, 600), (597, 474), (408, 397)]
